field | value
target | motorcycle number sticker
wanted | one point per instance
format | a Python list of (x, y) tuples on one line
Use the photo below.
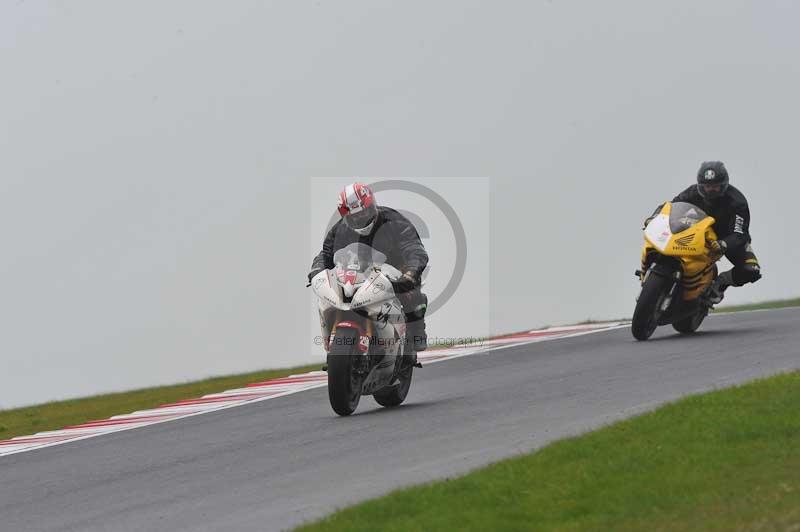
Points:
[(658, 232), (363, 344)]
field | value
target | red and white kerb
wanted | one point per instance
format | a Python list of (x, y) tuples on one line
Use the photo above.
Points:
[(266, 390)]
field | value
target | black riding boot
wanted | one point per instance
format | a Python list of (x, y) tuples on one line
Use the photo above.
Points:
[(416, 340), (416, 306), (717, 291), (416, 335)]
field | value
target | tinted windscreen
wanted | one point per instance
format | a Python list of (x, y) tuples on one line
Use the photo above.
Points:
[(358, 257), (685, 215)]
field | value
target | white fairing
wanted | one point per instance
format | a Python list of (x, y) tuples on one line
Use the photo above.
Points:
[(376, 290), (323, 286), (658, 232), (361, 281)]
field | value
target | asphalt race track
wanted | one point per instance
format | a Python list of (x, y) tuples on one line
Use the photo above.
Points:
[(275, 464)]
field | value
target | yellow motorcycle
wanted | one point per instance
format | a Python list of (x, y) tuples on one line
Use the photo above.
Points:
[(677, 270)]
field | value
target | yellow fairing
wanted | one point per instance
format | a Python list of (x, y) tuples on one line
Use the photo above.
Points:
[(691, 248)]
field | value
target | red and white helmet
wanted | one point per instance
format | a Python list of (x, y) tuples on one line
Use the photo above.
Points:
[(358, 208)]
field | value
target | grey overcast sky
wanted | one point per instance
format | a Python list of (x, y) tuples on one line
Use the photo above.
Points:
[(156, 163)]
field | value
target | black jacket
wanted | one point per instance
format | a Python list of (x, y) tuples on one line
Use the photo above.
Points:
[(731, 213), (393, 235)]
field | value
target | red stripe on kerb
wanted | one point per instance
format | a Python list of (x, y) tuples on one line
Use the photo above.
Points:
[(41, 439), (223, 399), (536, 334), (289, 380), (125, 421)]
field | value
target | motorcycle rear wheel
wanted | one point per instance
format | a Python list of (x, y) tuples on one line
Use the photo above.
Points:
[(645, 317), (344, 385), (393, 396), (691, 324)]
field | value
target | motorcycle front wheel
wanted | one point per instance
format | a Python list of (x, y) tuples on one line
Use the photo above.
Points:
[(344, 384), (645, 317)]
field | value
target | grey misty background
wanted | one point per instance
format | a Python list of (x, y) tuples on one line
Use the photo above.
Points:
[(155, 163)]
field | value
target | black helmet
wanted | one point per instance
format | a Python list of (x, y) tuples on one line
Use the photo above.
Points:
[(712, 180)]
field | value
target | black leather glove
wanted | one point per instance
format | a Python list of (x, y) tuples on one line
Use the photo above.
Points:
[(406, 283), (718, 248), (312, 274)]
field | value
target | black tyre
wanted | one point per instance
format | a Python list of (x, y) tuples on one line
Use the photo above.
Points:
[(344, 385), (392, 396), (691, 324), (645, 317)]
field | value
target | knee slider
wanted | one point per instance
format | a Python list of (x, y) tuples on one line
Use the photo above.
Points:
[(749, 273), (419, 306), (755, 272), (417, 313)]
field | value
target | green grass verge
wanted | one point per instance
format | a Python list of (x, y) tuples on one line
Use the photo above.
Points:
[(727, 460), (57, 415), (783, 303)]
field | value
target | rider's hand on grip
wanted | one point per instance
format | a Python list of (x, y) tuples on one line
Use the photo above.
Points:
[(404, 284), (311, 275), (718, 248)]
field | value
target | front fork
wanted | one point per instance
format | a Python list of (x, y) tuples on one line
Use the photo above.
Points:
[(671, 295), (677, 275)]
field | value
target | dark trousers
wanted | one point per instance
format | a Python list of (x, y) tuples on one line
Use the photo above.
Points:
[(746, 268)]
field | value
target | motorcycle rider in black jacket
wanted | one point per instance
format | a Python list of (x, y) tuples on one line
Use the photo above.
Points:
[(391, 233), (718, 198)]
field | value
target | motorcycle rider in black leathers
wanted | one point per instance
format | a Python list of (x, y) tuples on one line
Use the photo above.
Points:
[(714, 194), (391, 233)]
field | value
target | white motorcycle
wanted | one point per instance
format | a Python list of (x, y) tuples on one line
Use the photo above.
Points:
[(364, 329)]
